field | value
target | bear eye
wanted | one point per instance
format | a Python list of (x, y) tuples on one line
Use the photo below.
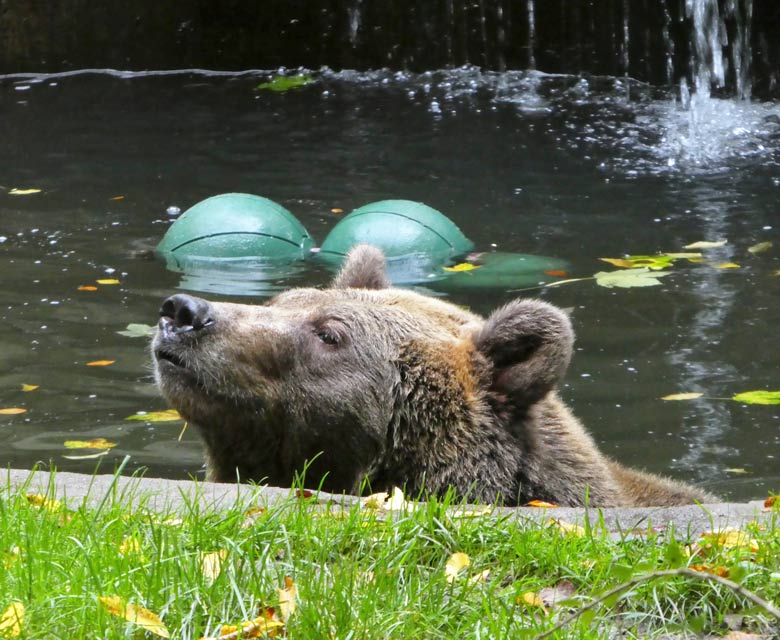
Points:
[(326, 336)]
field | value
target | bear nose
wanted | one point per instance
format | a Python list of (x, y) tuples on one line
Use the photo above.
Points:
[(187, 313)]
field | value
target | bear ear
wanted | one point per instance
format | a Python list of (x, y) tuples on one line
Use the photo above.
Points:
[(529, 344), (364, 268)]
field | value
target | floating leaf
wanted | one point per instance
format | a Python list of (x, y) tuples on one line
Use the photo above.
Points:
[(683, 396), (169, 415), (635, 262), (705, 244), (541, 504), (30, 387), (693, 257), (100, 363), (42, 502), (115, 198), (456, 563), (336, 210), (11, 620), (727, 265), (135, 330), (760, 247), (107, 281), (95, 443), (12, 411), (641, 277), (558, 273), (137, 615), (463, 266), (87, 287), (758, 397), (211, 564), (737, 471), (23, 192), (287, 599), (285, 83)]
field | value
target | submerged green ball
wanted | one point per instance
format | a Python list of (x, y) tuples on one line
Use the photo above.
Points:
[(236, 225), (399, 228)]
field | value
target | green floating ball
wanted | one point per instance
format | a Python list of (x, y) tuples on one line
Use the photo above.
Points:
[(235, 225), (400, 228)]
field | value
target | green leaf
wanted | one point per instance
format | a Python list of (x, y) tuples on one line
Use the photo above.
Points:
[(169, 415), (673, 554), (285, 83), (758, 397), (138, 331), (621, 572), (642, 277)]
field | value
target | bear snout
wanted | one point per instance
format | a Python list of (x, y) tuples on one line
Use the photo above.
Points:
[(183, 313)]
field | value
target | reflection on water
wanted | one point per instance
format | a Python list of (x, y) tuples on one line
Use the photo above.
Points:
[(524, 163)]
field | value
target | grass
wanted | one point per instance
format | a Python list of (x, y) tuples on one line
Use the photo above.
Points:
[(364, 573)]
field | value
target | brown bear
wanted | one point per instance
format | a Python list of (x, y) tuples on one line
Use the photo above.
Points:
[(365, 383)]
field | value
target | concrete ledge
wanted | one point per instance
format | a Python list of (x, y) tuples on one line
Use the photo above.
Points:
[(180, 495)]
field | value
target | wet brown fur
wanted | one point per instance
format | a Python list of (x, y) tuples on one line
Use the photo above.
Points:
[(362, 381)]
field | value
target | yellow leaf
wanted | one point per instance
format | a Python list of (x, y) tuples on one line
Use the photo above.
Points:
[(683, 396), (760, 247), (95, 443), (375, 500), (107, 281), (567, 527), (727, 265), (11, 556), (623, 264), (737, 471), (287, 597), (11, 620), (684, 256), (86, 287), (23, 192), (169, 415), (211, 564), (463, 266), (129, 546), (336, 210), (731, 538), (456, 563), (115, 198), (530, 599), (470, 513), (262, 625), (137, 615), (30, 387), (100, 363), (42, 502), (541, 504), (397, 502), (704, 244), (12, 411), (482, 576)]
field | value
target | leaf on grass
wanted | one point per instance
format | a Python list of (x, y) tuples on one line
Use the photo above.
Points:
[(717, 570), (705, 244), (463, 266), (42, 502), (758, 397), (211, 564), (397, 502), (137, 615), (480, 577), (264, 625), (12, 411), (169, 415), (683, 396), (135, 330), (285, 83), (100, 363), (23, 192), (771, 502), (532, 600), (656, 263), (11, 620), (107, 281), (729, 538), (30, 387), (541, 504), (456, 563), (130, 546), (567, 528), (11, 557), (727, 265), (760, 247), (641, 277), (95, 443), (552, 596), (86, 287), (375, 500), (470, 513), (287, 599)]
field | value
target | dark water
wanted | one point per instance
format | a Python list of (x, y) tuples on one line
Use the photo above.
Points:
[(573, 168)]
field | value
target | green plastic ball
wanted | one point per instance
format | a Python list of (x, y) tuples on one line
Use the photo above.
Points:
[(235, 225), (399, 228)]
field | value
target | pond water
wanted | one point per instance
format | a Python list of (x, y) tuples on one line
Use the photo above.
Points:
[(574, 168)]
